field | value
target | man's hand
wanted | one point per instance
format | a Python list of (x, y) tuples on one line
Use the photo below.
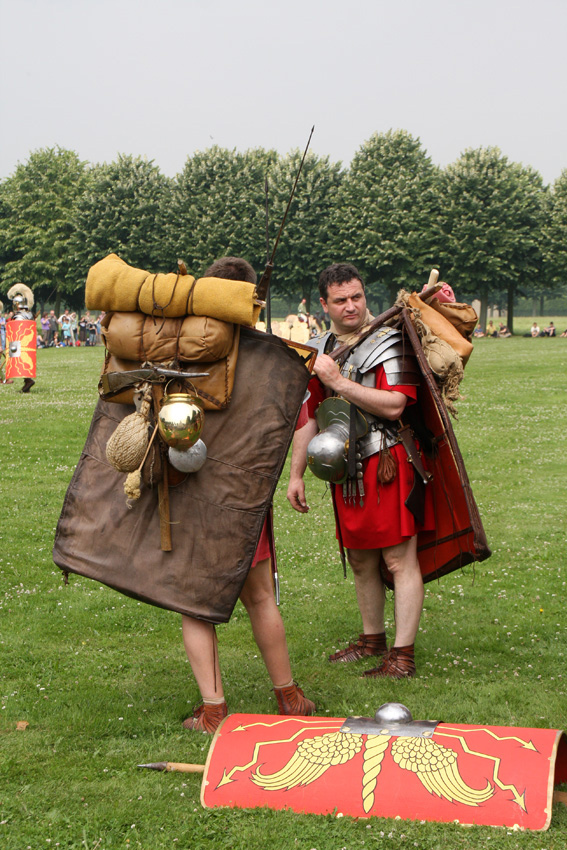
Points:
[(388, 404), (327, 370), (296, 495)]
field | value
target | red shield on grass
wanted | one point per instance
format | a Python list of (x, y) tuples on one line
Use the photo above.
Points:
[(491, 775)]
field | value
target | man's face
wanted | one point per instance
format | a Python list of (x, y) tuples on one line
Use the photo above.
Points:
[(346, 305)]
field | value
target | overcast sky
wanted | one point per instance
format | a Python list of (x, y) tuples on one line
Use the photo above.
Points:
[(163, 78)]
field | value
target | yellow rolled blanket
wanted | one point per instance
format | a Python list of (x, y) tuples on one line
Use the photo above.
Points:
[(113, 285)]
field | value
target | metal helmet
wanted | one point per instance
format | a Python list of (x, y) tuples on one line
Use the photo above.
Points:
[(21, 296), (327, 451)]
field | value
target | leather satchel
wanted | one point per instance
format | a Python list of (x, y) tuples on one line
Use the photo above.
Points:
[(132, 339)]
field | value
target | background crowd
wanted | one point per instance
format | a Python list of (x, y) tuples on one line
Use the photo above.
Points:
[(60, 332)]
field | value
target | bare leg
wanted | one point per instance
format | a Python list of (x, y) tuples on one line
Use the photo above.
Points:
[(257, 596), (369, 588), (402, 562), (201, 647)]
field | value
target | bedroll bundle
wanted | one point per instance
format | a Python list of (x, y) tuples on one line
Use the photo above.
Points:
[(113, 285)]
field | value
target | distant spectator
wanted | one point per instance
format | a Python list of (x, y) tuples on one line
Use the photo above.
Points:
[(478, 331), (535, 331), (65, 322), (53, 328), (91, 327), (503, 331), (564, 332), (45, 328), (2, 331), (491, 330), (550, 330)]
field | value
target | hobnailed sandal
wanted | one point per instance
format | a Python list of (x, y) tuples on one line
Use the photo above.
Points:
[(291, 700), (206, 717), (365, 646), (398, 663)]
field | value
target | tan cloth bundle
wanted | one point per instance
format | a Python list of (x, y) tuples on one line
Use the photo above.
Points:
[(462, 316), (441, 326), (113, 285), (136, 336)]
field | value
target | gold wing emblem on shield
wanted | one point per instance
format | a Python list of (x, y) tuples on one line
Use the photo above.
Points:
[(312, 758), (434, 765), (436, 768)]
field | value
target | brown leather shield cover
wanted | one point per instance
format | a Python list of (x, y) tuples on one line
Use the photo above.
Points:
[(216, 514)]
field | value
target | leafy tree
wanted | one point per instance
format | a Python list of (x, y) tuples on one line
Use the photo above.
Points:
[(492, 217), (554, 240), (308, 243), (120, 213), (37, 211), (388, 210), (216, 208)]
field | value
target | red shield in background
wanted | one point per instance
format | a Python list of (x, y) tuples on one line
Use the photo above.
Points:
[(21, 346)]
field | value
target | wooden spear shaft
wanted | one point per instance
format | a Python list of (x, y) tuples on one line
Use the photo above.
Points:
[(175, 766)]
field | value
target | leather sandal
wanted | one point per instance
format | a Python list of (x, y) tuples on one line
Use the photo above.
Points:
[(398, 663), (206, 718), (365, 646), (292, 701)]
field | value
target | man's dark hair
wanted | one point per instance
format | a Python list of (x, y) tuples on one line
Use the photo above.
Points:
[(337, 273), (232, 268)]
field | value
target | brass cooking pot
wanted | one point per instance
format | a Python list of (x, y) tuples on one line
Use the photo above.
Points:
[(180, 419)]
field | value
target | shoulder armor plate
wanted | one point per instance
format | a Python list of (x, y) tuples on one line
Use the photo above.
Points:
[(320, 341)]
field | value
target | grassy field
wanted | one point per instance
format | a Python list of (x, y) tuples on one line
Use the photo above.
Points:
[(103, 682)]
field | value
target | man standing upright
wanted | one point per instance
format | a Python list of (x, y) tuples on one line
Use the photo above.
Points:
[(53, 328), (380, 502)]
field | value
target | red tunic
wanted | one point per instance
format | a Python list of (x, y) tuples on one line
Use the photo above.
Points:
[(263, 548), (383, 520)]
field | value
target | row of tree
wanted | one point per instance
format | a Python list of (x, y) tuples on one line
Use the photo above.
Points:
[(490, 225)]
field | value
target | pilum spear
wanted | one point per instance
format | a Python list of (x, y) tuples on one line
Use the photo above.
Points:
[(264, 285), (175, 766)]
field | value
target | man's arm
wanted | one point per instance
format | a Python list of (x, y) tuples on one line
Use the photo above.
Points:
[(296, 487), (387, 404)]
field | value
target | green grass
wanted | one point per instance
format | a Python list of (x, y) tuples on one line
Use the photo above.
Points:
[(104, 683)]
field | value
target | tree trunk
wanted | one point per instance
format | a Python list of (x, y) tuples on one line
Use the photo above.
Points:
[(306, 293), (510, 321), (483, 306), (541, 304)]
